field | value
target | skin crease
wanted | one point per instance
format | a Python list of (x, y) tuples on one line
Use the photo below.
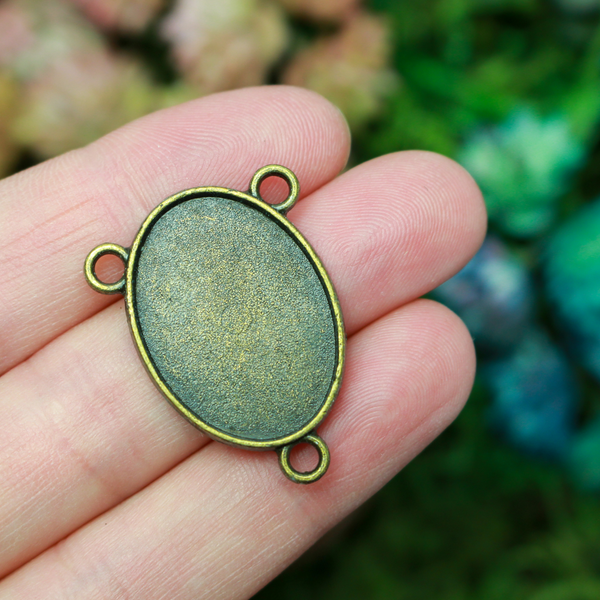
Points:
[(106, 487)]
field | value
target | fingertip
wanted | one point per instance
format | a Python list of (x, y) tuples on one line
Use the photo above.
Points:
[(453, 355), (439, 348), (408, 373), (463, 193), (411, 220), (451, 189)]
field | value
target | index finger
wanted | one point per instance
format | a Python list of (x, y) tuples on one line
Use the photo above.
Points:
[(51, 216)]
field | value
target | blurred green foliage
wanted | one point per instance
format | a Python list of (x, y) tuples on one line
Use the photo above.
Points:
[(465, 62)]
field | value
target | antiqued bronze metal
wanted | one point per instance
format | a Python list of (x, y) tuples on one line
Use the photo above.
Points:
[(234, 317)]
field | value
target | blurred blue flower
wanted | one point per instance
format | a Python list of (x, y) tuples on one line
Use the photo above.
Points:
[(534, 397), (572, 280), (493, 295), (523, 166)]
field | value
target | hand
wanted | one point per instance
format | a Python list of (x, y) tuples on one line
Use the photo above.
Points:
[(107, 492)]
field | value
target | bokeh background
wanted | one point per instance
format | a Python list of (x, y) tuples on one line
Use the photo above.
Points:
[(506, 503)]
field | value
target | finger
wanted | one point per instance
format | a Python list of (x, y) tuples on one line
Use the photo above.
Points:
[(224, 522), (51, 216), (392, 229), (87, 428), (93, 375)]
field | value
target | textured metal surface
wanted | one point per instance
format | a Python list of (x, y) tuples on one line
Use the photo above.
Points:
[(235, 318)]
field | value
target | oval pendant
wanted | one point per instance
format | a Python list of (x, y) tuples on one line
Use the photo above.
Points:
[(234, 317)]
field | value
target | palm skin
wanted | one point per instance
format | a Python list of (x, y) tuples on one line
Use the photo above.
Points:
[(106, 491)]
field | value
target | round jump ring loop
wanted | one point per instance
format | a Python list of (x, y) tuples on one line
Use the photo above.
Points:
[(90, 268), (285, 174), (311, 476)]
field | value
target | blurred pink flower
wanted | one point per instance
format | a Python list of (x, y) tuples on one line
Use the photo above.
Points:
[(349, 68), (35, 35), (126, 15), (74, 89), (80, 99), (321, 10), (225, 44)]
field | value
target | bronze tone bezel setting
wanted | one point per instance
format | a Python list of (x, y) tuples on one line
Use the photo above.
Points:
[(126, 286)]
